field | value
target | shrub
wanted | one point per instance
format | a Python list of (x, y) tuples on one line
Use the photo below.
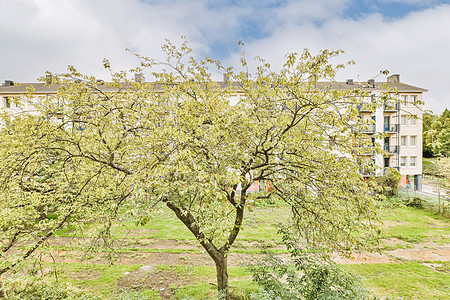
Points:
[(416, 202), (389, 182), (310, 276), (45, 291)]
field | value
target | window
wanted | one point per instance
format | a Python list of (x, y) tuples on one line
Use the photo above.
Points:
[(386, 162), (404, 99), (412, 161), (412, 140), (413, 121), (403, 140), (7, 102), (403, 161), (413, 99), (403, 120)]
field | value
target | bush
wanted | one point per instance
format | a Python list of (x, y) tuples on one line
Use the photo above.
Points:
[(389, 182), (310, 276), (44, 291), (305, 279), (416, 202)]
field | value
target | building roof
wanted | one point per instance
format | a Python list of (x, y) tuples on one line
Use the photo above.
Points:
[(44, 88)]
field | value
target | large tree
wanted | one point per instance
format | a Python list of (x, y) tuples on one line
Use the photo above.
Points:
[(199, 146)]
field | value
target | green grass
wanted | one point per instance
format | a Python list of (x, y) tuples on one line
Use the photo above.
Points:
[(99, 279), (258, 226), (409, 280), (414, 225)]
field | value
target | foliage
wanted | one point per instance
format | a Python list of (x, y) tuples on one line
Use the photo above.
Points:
[(44, 188), (181, 141), (310, 276), (389, 182), (55, 291), (443, 169), (436, 133), (416, 202), (427, 121), (139, 295), (429, 167)]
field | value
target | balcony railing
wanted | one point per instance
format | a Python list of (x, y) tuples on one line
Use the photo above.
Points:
[(391, 128), (365, 108), (391, 107), (390, 149), (367, 173), (370, 128), (387, 169), (364, 150)]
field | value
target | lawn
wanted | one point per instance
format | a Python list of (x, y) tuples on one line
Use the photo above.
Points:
[(162, 260)]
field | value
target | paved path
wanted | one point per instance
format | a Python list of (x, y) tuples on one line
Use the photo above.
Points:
[(434, 191)]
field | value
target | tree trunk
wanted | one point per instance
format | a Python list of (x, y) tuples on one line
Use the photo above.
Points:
[(222, 276)]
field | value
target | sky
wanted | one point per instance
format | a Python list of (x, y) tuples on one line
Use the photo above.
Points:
[(406, 37)]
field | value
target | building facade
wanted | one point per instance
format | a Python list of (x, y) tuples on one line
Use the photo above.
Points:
[(398, 122)]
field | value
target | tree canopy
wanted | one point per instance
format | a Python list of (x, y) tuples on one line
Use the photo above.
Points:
[(436, 134), (95, 149)]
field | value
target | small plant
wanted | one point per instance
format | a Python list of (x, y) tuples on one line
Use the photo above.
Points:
[(310, 276), (43, 290), (416, 202)]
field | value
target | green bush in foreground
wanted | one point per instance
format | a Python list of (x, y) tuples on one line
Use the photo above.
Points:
[(44, 291), (309, 276)]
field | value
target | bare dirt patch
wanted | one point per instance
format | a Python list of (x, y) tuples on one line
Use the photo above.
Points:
[(152, 278)]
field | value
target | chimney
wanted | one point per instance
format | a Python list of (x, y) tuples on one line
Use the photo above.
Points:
[(395, 78), (371, 82), (139, 77), (225, 78), (48, 78), (9, 83), (349, 81)]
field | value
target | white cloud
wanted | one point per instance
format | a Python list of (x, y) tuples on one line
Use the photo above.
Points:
[(416, 46), (40, 35)]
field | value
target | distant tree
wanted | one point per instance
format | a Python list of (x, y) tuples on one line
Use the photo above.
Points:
[(188, 142), (428, 139), (437, 134), (443, 169)]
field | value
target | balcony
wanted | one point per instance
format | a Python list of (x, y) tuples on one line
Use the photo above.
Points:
[(367, 173), (391, 128), (391, 107), (369, 129), (391, 149), (388, 169), (365, 108), (364, 150)]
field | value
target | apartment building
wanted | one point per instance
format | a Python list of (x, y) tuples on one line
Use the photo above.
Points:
[(400, 122)]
